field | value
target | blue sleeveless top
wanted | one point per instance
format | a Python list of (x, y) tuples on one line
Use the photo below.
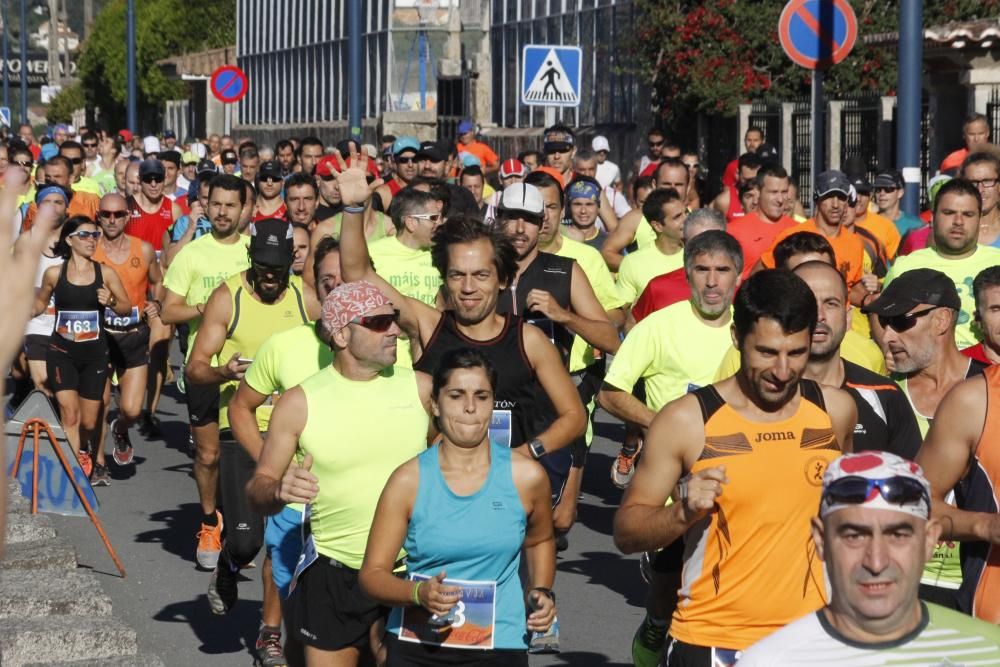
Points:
[(476, 537)]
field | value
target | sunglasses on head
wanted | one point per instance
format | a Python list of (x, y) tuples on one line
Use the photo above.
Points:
[(904, 322), (152, 178), (114, 215), (857, 490), (87, 235), (377, 323)]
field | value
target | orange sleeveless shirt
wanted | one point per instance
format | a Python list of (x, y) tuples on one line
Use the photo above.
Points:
[(750, 567), (134, 273)]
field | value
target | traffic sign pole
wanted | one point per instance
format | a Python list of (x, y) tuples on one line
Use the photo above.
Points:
[(818, 142), (911, 54)]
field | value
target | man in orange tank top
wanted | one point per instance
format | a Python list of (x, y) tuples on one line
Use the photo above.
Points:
[(743, 460), (963, 446), (134, 260)]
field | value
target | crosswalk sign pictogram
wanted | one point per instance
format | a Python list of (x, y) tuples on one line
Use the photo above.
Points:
[(550, 75)]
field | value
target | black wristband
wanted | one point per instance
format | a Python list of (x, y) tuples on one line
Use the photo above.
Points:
[(548, 591)]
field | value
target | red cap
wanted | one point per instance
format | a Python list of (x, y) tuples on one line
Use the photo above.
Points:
[(512, 167), (328, 165), (125, 134)]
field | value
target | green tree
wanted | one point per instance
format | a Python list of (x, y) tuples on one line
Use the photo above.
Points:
[(63, 105), (164, 28), (713, 55)]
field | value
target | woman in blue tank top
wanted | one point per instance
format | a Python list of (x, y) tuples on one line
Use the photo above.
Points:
[(463, 510)]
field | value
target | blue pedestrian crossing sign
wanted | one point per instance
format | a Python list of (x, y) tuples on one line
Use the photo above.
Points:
[(550, 75), (5, 116)]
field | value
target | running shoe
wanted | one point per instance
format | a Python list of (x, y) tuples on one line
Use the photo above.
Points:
[(223, 589), (179, 380), (268, 649), (99, 476), (646, 566), (149, 425), (623, 468), (209, 544), (547, 642), (647, 644), (122, 452), (86, 463)]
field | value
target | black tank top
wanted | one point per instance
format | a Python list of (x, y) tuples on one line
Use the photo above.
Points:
[(78, 311), (521, 409), (553, 274)]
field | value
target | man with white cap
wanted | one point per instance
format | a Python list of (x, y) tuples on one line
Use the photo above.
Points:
[(608, 173), (874, 532), (341, 478)]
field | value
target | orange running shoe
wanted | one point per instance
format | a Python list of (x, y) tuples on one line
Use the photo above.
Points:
[(86, 463), (209, 544), (623, 467)]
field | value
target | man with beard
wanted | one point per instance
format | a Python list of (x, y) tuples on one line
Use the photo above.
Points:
[(885, 418), (240, 315), (917, 315), (743, 460), (434, 162), (198, 269), (284, 154), (270, 203), (956, 252)]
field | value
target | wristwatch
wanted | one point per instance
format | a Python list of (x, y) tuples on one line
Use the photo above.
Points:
[(536, 448)]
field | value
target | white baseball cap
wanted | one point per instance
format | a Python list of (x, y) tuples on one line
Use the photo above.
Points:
[(150, 144), (522, 197), (600, 143)]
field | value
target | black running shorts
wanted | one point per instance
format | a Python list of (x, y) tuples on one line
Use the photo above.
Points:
[(203, 403), (331, 611), (129, 349)]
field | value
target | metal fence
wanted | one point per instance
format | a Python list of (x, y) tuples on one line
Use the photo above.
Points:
[(766, 115), (801, 167), (993, 111), (860, 121)]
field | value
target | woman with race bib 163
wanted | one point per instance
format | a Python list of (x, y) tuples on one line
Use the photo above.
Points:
[(463, 510), (77, 357)]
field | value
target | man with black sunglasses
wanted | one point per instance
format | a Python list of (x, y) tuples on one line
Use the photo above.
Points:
[(270, 203), (239, 316), (404, 166), (874, 532), (916, 316), (152, 212), (134, 260), (73, 151)]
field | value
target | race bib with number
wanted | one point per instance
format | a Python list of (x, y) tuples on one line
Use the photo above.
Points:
[(471, 623), (116, 321), (78, 326), (500, 427)]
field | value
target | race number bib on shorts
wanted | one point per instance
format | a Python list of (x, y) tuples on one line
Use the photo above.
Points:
[(78, 326), (116, 321), (471, 623), (500, 427)]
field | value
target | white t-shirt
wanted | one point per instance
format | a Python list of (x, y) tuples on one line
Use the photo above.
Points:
[(608, 173), (943, 637)]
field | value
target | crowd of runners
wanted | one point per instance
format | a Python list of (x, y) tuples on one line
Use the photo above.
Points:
[(393, 355)]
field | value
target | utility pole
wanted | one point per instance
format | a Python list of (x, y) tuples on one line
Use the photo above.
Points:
[(354, 38), (130, 40), (6, 54), (88, 17), (24, 63), (911, 56), (53, 42)]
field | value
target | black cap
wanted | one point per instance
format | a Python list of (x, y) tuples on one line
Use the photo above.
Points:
[(169, 134), (229, 156), (832, 181), (768, 154), (271, 242), (913, 288), (151, 166), (206, 166), (270, 168), (889, 179), (860, 183), (433, 150)]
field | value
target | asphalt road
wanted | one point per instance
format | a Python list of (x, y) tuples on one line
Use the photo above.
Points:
[(151, 515)]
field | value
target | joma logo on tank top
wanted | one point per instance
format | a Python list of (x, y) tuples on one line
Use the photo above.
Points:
[(770, 436)]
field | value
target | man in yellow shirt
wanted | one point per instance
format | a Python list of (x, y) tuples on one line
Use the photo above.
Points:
[(665, 209)]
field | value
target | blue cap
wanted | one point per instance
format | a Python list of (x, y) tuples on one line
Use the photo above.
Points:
[(470, 160), (466, 126), (50, 189), (49, 150), (405, 144)]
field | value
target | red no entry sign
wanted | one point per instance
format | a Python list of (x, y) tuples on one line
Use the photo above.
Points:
[(228, 84), (817, 33)]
